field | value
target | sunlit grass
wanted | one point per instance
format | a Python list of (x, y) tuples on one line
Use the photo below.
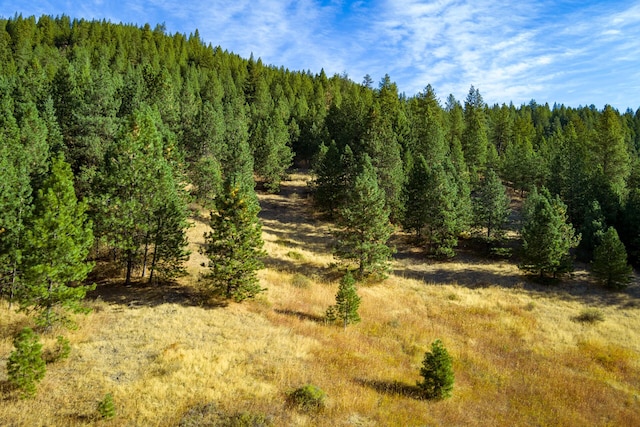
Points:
[(519, 357)]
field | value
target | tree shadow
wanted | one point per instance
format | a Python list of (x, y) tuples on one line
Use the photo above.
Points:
[(301, 315), (143, 294), (393, 388), (304, 268)]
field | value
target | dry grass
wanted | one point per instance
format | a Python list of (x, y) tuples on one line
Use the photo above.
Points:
[(519, 357)]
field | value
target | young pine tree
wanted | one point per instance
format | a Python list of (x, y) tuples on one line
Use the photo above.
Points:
[(437, 372), (234, 245), (609, 264), (347, 301), (58, 242), (26, 367), (547, 236), (365, 227), (491, 205)]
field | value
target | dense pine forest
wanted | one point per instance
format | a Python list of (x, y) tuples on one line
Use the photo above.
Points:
[(111, 133)]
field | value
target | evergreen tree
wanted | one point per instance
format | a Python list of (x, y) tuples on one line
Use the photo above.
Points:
[(474, 137), (491, 205), (234, 245), (26, 367), (437, 372), (547, 237), (272, 153), (335, 173), (347, 301), (364, 225), (592, 229), (140, 203), (57, 244), (430, 208), (15, 198), (380, 143), (610, 154), (609, 264), (631, 225)]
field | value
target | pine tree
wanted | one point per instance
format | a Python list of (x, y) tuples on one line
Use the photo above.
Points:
[(474, 137), (57, 244), (234, 245), (26, 367), (609, 264), (364, 225), (593, 227), (491, 205), (335, 173), (347, 301), (430, 208), (437, 372), (547, 237)]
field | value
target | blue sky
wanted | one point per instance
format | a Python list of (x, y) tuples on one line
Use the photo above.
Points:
[(575, 52)]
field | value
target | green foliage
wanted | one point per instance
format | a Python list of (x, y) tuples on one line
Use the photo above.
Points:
[(491, 205), (365, 227), (57, 244), (26, 367), (437, 372), (234, 246), (308, 398), (61, 351), (590, 315), (547, 236), (609, 264), (335, 173), (141, 207), (432, 208), (347, 302), (592, 229), (106, 408)]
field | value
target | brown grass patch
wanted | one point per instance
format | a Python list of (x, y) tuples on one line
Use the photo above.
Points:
[(519, 359)]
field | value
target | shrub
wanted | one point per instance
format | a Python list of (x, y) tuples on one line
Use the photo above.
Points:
[(295, 255), (300, 281), (590, 315), (61, 351), (26, 367), (106, 407), (308, 398), (437, 373)]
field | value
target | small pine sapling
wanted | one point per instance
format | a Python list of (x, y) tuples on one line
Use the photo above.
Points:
[(347, 301), (437, 373), (106, 407), (26, 367)]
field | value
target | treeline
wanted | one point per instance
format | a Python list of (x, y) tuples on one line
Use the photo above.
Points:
[(140, 122)]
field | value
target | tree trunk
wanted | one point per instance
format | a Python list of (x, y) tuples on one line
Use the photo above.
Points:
[(127, 280)]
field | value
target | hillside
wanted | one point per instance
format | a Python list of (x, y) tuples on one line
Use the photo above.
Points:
[(520, 357)]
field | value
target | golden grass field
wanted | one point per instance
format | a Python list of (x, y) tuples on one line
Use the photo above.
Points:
[(520, 356)]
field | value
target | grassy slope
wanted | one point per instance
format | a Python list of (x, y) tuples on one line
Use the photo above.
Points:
[(519, 357)]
